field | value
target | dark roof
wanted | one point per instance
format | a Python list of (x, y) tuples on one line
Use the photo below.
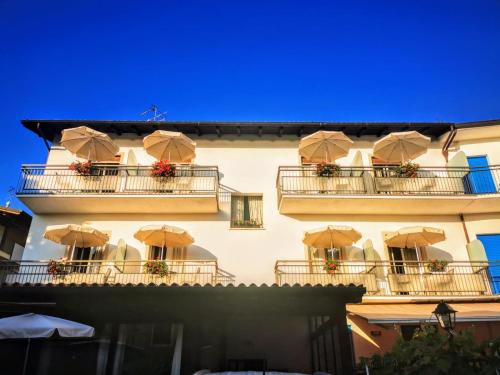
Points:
[(49, 129)]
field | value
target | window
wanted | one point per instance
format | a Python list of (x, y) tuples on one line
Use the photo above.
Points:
[(246, 211), (2, 232), (175, 253)]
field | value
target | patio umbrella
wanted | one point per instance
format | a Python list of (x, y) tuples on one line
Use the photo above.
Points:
[(324, 146), (172, 146), (75, 235), (163, 236), (30, 326), (89, 144), (414, 237), (331, 236), (400, 146)]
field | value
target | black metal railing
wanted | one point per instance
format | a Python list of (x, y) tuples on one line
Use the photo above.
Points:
[(116, 179), (112, 272), (396, 278), (303, 180)]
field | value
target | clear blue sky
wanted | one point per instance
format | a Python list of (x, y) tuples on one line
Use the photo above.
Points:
[(243, 60)]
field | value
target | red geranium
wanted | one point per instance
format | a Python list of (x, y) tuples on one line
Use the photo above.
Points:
[(82, 168), (163, 168)]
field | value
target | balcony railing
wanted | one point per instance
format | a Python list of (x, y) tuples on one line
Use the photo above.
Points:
[(428, 181), (121, 272), (117, 179), (397, 278)]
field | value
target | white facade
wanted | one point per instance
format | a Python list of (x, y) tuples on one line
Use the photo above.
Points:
[(249, 164)]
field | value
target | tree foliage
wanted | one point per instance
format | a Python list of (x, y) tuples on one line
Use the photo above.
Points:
[(430, 352)]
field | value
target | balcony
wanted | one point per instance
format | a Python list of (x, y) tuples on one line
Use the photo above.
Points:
[(109, 272), (118, 189), (378, 190), (397, 278)]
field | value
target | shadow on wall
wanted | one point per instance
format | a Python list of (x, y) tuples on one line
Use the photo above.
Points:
[(436, 253), (195, 252)]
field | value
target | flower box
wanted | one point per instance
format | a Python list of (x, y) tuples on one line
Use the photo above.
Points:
[(156, 267), (163, 170), (406, 170)]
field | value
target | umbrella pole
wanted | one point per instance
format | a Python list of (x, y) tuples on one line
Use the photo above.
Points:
[(25, 365)]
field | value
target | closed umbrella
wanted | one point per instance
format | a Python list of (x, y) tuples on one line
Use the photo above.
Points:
[(30, 326), (324, 146), (171, 146), (401, 146), (89, 144), (331, 236), (164, 236)]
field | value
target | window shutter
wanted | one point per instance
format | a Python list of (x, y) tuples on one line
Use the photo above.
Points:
[(369, 251), (121, 253), (459, 160)]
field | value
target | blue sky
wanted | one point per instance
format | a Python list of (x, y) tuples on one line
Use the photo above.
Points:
[(243, 60)]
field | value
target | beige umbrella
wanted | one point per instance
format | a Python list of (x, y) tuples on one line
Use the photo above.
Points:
[(401, 146), (75, 235), (89, 144), (331, 236), (164, 236), (171, 146), (324, 146), (414, 237)]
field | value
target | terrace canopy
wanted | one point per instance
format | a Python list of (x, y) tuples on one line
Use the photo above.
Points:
[(414, 236), (331, 236)]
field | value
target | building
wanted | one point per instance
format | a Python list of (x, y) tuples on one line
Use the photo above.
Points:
[(247, 199), (14, 227)]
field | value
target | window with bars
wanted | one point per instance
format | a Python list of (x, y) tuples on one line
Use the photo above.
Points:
[(246, 211)]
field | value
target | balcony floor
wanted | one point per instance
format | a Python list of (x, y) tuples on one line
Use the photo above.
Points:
[(115, 204), (388, 204)]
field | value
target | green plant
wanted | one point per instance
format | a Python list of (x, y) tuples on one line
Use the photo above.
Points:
[(327, 170), (251, 223), (432, 353), (331, 266), (156, 267), (436, 265), (408, 170)]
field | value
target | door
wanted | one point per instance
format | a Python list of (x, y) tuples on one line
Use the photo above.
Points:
[(491, 243), (480, 178)]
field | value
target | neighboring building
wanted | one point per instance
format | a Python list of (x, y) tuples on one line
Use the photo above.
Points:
[(247, 199), (14, 227)]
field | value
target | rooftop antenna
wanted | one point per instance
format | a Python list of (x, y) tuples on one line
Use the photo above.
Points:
[(10, 194), (156, 114)]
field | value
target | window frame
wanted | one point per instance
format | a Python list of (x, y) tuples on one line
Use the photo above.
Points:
[(238, 194)]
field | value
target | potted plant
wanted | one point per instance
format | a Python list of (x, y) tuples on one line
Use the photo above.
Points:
[(156, 267), (406, 170), (85, 169), (163, 170), (331, 266), (57, 268), (436, 265), (251, 223), (438, 273), (327, 170)]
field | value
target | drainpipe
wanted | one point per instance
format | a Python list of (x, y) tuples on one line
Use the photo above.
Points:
[(465, 227), (448, 141), (40, 134)]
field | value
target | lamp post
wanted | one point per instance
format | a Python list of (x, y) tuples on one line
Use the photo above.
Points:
[(446, 317)]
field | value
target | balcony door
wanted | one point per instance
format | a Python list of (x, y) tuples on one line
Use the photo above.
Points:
[(404, 260), (480, 178), (81, 258)]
